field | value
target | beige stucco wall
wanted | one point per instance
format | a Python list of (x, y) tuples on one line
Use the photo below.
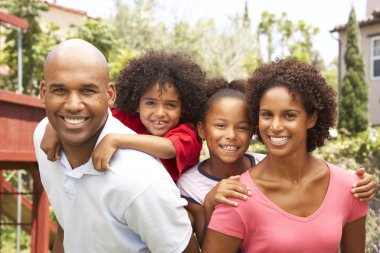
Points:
[(61, 18), (367, 33)]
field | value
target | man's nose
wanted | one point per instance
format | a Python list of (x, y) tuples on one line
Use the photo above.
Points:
[(74, 103)]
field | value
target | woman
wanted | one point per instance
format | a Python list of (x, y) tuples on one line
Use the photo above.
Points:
[(299, 203)]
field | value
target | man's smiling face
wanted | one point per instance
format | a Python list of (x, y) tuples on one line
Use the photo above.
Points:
[(76, 93)]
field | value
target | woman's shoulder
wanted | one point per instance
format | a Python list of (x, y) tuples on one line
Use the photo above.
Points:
[(341, 175)]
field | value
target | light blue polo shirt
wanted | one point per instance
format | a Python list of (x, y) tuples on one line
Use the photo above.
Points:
[(133, 207)]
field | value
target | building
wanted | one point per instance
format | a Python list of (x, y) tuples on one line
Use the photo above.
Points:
[(63, 17), (370, 45)]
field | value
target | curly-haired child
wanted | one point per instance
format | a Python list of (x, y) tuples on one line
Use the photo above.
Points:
[(159, 96)]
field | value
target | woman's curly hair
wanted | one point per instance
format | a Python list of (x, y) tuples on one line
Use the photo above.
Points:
[(174, 68), (217, 88), (304, 82)]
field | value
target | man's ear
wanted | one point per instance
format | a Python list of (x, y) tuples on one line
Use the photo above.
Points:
[(312, 120), (111, 93), (201, 130), (42, 91)]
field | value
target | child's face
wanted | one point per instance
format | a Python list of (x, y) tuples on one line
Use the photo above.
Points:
[(283, 122), (226, 129), (160, 109)]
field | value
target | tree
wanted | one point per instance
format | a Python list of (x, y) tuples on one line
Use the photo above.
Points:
[(32, 53), (354, 97), (266, 27), (286, 29), (286, 38), (302, 48), (137, 28), (97, 33)]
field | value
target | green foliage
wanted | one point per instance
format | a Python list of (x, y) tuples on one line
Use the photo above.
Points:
[(28, 10), (8, 232), (257, 147), (8, 238), (372, 232), (117, 61), (330, 74), (138, 28), (233, 53), (352, 152), (294, 39), (266, 27), (46, 41), (353, 105), (98, 33)]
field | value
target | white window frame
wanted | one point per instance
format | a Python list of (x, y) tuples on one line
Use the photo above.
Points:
[(373, 58)]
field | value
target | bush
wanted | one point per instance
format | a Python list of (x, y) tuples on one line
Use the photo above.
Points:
[(353, 152)]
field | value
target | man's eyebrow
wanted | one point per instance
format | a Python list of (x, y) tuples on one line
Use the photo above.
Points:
[(56, 85), (85, 85), (90, 85)]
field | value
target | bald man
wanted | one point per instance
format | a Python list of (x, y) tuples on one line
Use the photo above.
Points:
[(134, 206)]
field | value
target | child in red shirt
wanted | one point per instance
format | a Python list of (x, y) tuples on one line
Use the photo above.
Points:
[(159, 96)]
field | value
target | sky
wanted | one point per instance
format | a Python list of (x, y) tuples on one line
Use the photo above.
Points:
[(325, 14)]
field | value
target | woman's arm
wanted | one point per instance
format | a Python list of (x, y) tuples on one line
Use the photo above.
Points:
[(216, 242), (353, 237), (154, 145)]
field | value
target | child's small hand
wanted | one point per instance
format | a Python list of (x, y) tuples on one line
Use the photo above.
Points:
[(364, 189), (230, 187), (103, 152), (51, 144)]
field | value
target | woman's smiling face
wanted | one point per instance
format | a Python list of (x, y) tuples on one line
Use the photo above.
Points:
[(283, 122)]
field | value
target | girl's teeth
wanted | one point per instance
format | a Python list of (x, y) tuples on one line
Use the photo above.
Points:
[(229, 148), (158, 122), (74, 121), (279, 140)]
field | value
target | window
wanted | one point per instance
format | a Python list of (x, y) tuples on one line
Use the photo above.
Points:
[(375, 57)]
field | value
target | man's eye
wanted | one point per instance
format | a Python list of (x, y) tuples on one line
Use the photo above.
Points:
[(88, 91), (59, 90)]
